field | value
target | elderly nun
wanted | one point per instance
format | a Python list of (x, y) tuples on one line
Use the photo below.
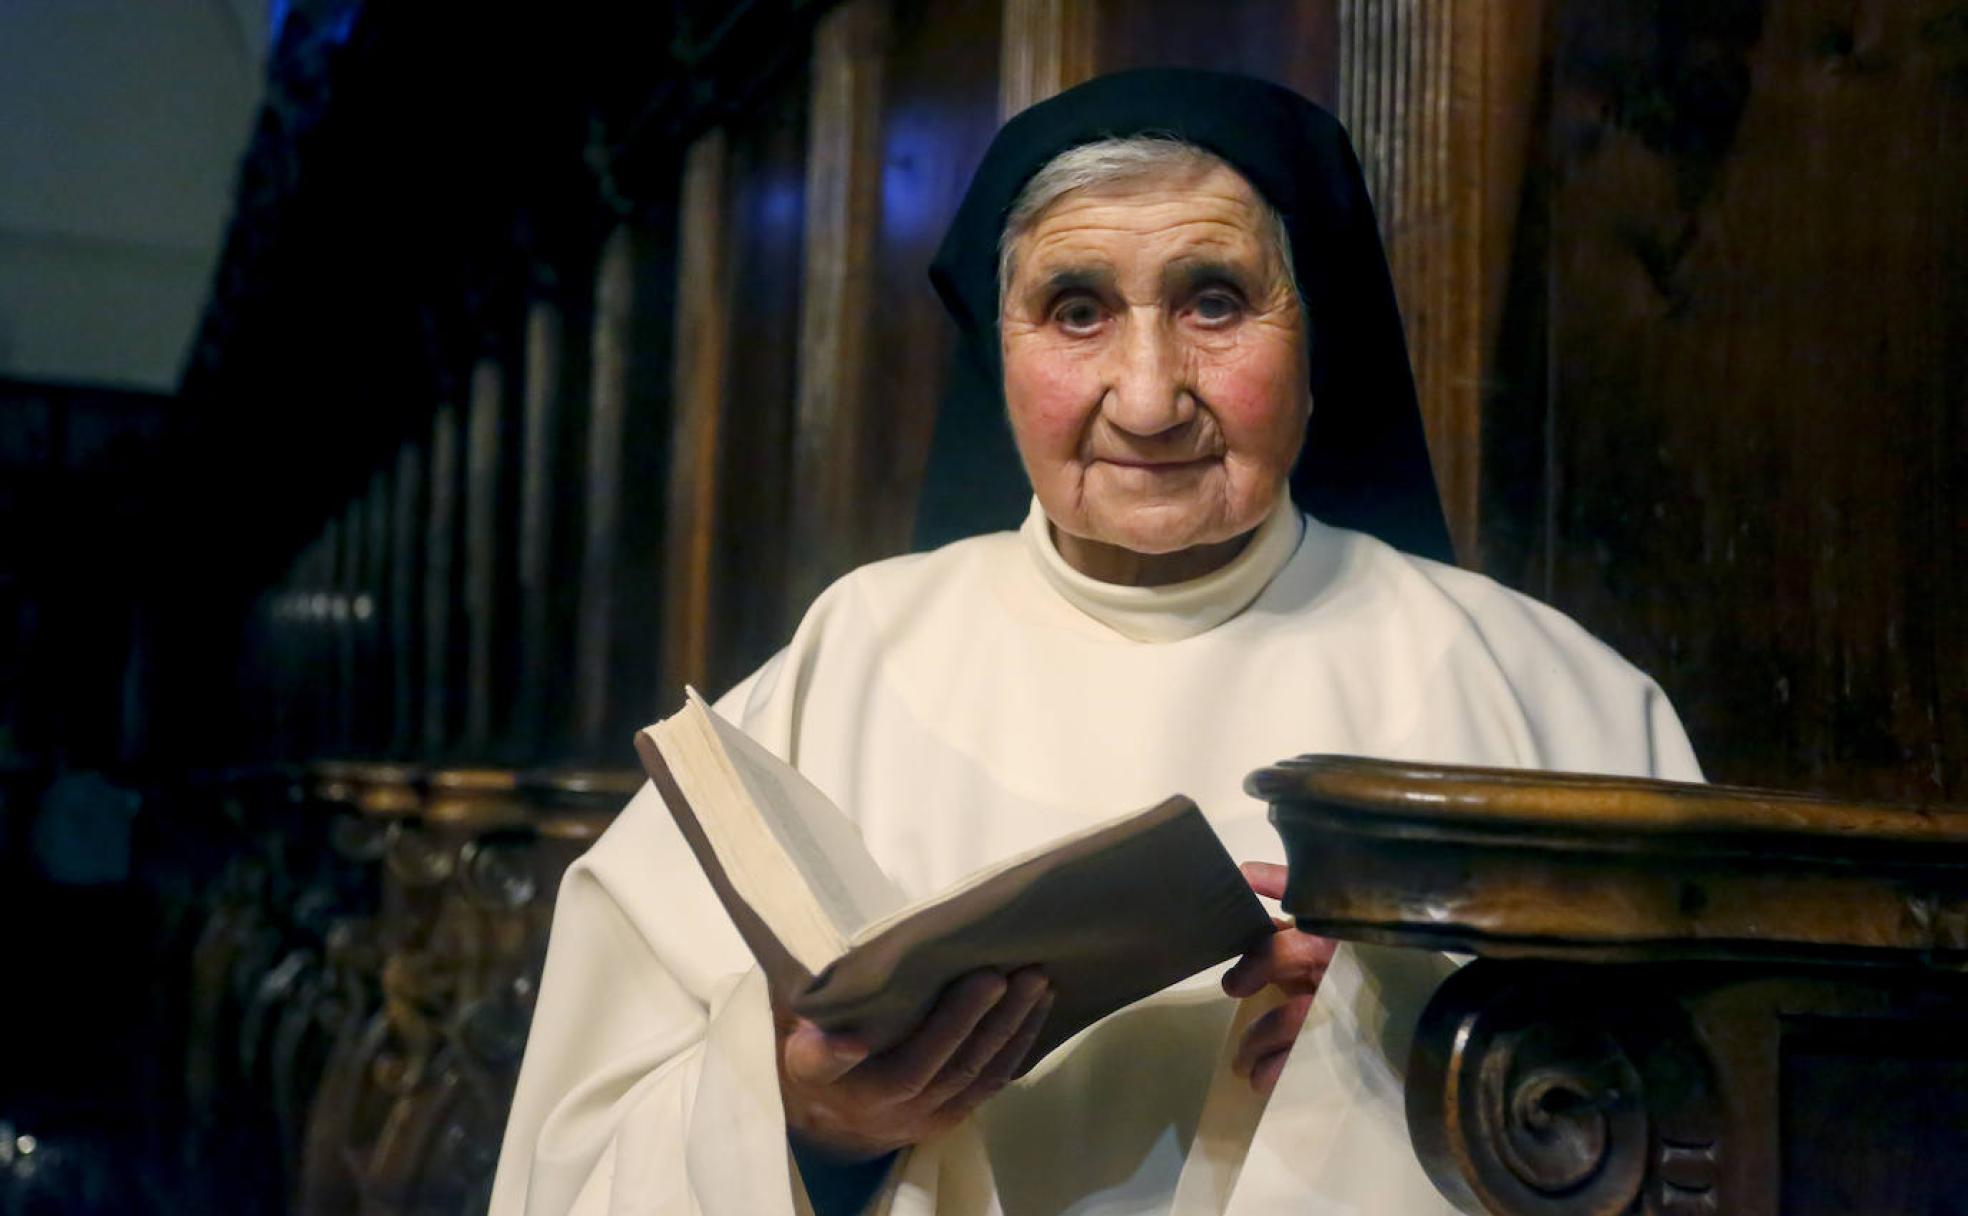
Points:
[(1171, 284)]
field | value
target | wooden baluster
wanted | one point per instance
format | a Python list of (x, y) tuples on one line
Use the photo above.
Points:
[(436, 1149)]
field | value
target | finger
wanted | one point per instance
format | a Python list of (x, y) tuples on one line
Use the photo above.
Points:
[(1249, 974), (1025, 990), (1010, 1058), (814, 1057), (1264, 1077), (1275, 1031), (912, 1064), (1266, 878), (1299, 960)]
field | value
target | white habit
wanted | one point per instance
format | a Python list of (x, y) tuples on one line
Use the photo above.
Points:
[(966, 704)]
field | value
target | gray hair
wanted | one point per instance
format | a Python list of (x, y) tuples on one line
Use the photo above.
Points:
[(1111, 162)]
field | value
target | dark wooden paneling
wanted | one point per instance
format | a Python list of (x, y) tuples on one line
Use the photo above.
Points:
[(939, 111), (750, 616), (843, 201), (1759, 312), (1293, 42), (623, 439)]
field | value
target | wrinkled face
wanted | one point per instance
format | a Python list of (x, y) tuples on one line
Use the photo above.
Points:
[(1155, 363)]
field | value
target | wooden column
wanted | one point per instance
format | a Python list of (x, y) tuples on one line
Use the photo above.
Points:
[(601, 523), (367, 612), (1048, 47), (830, 522), (702, 322), (440, 522), (323, 689), (540, 423), (481, 586), (1439, 99), (350, 557), (407, 513)]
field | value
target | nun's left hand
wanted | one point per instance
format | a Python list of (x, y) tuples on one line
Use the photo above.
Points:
[(1293, 961)]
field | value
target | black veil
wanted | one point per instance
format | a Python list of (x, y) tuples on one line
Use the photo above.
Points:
[(1365, 460)]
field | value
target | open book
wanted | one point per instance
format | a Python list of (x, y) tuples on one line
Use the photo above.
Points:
[(1112, 913)]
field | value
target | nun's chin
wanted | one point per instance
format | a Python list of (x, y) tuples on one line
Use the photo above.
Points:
[(1160, 512)]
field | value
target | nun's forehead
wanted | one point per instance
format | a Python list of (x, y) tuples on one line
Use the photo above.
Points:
[(1148, 163)]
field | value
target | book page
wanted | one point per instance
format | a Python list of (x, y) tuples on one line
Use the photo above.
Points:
[(820, 841)]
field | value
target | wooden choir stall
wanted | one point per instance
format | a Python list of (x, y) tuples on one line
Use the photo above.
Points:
[(1683, 998), (636, 353)]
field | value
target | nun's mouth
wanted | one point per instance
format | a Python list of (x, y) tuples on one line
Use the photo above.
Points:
[(1156, 466)]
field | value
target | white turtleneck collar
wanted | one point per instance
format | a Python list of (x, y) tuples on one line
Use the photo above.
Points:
[(1178, 610)]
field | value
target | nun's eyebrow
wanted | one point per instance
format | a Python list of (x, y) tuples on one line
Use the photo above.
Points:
[(1063, 279), (1183, 276)]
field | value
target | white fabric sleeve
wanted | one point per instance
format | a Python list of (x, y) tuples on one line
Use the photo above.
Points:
[(649, 1084)]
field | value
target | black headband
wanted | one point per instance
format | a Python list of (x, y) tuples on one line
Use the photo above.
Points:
[(1365, 461)]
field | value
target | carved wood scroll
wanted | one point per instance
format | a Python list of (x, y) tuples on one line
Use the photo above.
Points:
[(1686, 1089), (1784, 1038)]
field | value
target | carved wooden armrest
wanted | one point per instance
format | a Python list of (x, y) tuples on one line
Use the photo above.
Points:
[(1691, 998)]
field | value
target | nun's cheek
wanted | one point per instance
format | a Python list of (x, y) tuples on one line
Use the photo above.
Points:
[(1050, 410), (1261, 413)]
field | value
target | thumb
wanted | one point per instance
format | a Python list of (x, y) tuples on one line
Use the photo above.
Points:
[(815, 1057), (1265, 878)]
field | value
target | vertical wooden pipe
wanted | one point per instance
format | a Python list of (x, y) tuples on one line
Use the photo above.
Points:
[(843, 203), (601, 519), (323, 688), (481, 554), (1048, 47), (540, 422), (350, 560), (439, 557), (702, 337), (368, 612), (1438, 97), (407, 513)]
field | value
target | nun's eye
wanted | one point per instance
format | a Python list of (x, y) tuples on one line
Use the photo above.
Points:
[(1077, 315), (1217, 307)]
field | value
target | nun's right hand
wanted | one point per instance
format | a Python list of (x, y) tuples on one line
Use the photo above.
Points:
[(849, 1106)]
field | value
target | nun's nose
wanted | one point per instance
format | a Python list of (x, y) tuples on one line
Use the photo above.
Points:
[(1147, 393)]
